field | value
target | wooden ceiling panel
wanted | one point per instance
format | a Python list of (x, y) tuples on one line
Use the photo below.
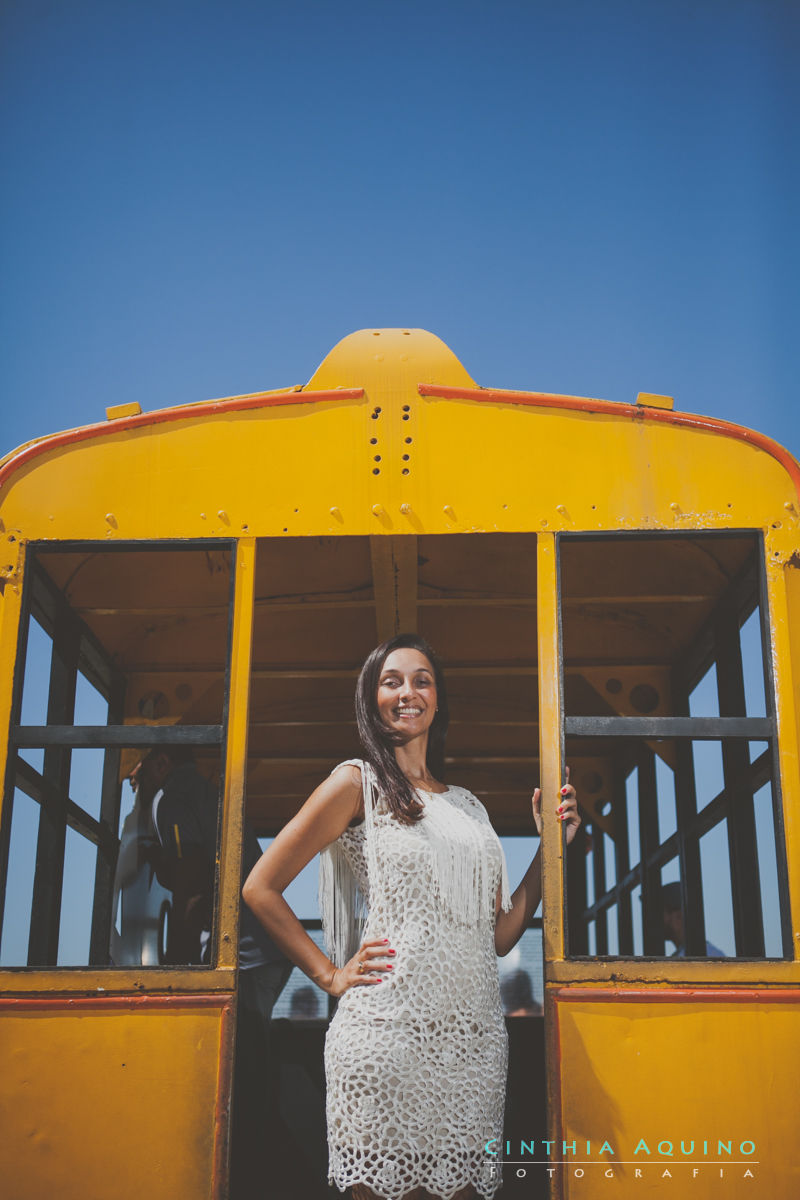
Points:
[(477, 564), (339, 637), (313, 568), (142, 580)]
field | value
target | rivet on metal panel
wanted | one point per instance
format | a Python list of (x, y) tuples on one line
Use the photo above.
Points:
[(334, 511), (9, 558), (448, 511), (378, 510), (405, 508), (223, 516), (112, 520), (202, 516), (561, 508), (676, 508)]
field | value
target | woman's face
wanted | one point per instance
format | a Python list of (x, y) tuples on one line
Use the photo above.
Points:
[(407, 692)]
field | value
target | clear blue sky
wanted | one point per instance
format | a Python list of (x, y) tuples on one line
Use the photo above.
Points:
[(200, 198)]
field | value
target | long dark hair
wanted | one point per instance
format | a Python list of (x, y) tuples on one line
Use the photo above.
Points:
[(379, 742)]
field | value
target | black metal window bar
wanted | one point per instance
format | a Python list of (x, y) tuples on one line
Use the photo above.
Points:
[(74, 649), (717, 644)]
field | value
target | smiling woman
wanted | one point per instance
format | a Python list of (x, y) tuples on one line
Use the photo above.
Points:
[(415, 898)]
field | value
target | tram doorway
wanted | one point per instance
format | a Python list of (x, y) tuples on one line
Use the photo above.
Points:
[(321, 605)]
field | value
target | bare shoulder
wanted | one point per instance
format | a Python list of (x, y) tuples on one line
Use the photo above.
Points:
[(350, 788)]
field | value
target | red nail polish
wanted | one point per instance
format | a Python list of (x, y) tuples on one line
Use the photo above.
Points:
[(384, 940), (391, 952), (564, 791), (390, 966)]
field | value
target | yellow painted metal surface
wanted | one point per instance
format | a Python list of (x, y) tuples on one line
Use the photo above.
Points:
[(310, 468), (666, 1072), (116, 1101), (236, 751)]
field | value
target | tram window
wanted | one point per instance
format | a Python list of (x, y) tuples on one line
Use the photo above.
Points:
[(750, 639), (717, 894), (21, 866), (522, 969), (91, 707), (126, 661), (74, 935), (522, 976), (671, 737), (36, 676), (302, 1000), (767, 866)]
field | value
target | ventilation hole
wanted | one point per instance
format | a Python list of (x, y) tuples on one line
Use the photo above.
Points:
[(408, 441), (376, 470), (614, 686)]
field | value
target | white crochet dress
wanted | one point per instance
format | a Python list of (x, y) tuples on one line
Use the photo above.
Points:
[(416, 1065)]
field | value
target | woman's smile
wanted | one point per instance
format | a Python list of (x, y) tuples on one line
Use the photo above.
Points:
[(407, 691)]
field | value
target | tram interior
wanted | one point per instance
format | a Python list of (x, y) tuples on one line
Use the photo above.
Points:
[(656, 626)]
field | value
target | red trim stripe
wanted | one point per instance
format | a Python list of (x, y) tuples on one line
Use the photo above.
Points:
[(166, 415), (681, 995), (638, 412)]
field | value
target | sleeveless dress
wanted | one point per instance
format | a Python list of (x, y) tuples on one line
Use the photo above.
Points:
[(416, 1065)]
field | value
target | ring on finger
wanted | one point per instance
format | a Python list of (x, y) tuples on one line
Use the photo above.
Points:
[(361, 967)]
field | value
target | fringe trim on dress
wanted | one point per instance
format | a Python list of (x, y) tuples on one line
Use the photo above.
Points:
[(463, 884)]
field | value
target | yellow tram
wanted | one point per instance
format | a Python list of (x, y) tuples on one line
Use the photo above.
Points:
[(613, 586)]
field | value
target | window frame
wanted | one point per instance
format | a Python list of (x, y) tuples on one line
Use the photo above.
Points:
[(50, 788), (733, 733)]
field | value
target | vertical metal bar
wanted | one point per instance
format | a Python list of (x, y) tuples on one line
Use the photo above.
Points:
[(619, 809), (745, 882), (576, 895), (102, 915), (236, 752), (551, 733), (782, 691), (652, 918), (551, 725), (599, 875), (14, 621), (688, 846), (51, 842)]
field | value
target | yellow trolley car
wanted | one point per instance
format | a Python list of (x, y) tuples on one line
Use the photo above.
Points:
[(613, 586)]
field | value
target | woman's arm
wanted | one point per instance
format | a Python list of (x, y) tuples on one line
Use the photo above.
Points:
[(510, 926), (324, 816)]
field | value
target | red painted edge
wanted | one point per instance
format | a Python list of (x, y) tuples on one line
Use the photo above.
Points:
[(165, 416), (658, 995), (639, 412), (64, 1003), (222, 1111)]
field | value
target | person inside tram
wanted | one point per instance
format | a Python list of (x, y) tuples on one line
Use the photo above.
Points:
[(516, 993), (674, 924)]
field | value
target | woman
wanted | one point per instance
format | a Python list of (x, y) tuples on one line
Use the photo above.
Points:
[(416, 1054)]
